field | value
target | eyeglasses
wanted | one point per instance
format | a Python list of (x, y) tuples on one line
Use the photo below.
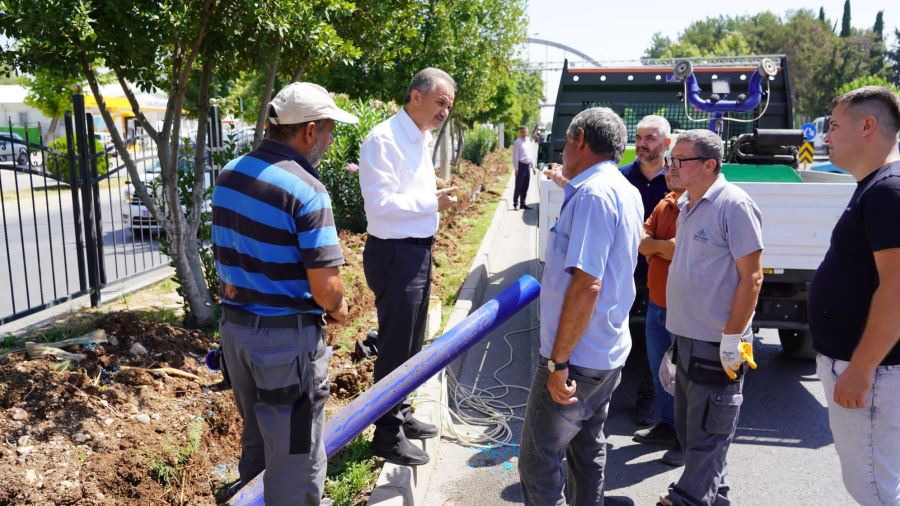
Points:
[(671, 161)]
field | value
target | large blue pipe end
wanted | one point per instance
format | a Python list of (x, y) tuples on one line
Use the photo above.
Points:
[(392, 389)]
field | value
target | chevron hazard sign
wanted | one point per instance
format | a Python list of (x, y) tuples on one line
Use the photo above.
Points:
[(806, 152)]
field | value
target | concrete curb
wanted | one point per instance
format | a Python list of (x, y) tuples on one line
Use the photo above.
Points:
[(404, 485)]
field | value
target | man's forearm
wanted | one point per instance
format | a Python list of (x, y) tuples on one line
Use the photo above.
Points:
[(882, 330), (743, 305), (578, 307)]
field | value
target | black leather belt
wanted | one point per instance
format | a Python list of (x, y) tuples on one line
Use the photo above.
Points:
[(418, 241), (248, 319)]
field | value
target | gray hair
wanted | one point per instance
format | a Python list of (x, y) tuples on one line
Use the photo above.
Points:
[(654, 121), (604, 131), (706, 144), (425, 81)]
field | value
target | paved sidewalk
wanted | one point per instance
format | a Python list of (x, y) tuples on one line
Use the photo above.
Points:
[(783, 452)]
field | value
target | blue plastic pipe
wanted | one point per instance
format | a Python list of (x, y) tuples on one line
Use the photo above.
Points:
[(754, 88), (368, 407)]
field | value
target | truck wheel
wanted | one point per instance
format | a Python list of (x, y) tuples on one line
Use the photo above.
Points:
[(797, 344)]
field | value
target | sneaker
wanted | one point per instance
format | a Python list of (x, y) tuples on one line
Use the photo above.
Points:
[(660, 434), (673, 457), (525, 207)]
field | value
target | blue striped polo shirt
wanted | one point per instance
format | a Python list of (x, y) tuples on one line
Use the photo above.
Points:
[(272, 221)]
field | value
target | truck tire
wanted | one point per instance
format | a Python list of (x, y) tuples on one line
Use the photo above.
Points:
[(797, 344)]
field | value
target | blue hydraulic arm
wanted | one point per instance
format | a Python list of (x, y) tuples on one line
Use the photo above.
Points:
[(717, 107), (365, 409)]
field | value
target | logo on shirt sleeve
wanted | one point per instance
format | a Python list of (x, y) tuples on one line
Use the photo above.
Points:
[(701, 235)]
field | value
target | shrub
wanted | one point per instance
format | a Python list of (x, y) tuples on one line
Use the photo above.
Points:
[(339, 167), (478, 142), (58, 159)]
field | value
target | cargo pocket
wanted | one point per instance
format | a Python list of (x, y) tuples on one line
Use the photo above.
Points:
[(278, 375), (710, 372), (319, 360), (722, 412)]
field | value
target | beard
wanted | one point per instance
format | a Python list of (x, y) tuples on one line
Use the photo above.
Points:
[(317, 152), (649, 155)]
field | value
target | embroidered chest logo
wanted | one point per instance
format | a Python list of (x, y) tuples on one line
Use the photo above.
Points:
[(701, 235)]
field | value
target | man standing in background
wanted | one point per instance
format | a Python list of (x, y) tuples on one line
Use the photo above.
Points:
[(523, 163)]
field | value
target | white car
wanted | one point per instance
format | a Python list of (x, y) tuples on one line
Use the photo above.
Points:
[(14, 150), (136, 214)]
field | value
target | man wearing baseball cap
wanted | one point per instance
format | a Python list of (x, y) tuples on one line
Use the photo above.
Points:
[(277, 254)]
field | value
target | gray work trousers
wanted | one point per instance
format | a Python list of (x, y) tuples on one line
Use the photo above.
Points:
[(707, 406), (280, 382), (553, 432)]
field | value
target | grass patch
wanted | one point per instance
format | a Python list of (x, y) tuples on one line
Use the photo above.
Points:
[(352, 472), (168, 467)]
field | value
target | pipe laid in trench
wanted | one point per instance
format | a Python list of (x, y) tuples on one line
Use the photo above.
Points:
[(368, 407)]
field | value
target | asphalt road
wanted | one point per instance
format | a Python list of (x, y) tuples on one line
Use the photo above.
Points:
[(38, 252), (783, 453)]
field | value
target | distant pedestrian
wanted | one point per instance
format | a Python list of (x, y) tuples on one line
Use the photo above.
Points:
[(523, 164), (854, 298), (587, 289)]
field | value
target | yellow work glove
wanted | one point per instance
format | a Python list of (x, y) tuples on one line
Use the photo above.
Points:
[(734, 351)]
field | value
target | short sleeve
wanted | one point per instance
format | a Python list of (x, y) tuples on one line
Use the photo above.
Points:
[(591, 236), (317, 235), (743, 222), (881, 209)]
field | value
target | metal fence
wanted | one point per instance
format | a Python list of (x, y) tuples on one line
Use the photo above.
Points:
[(70, 222)]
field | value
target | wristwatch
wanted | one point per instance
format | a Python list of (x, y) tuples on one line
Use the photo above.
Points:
[(557, 366)]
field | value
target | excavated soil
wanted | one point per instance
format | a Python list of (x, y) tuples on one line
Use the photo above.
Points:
[(108, 430)]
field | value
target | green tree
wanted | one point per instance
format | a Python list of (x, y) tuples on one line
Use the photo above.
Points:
[(159, 45), (822, 15), (877, 52), (893, 57), (866, 81), (52, 95), (846, 28)]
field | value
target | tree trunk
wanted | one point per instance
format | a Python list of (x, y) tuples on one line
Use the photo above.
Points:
[(267, 94), (50, 134), (458, 145)]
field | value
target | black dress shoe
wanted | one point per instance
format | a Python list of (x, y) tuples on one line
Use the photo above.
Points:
[(403, 453), (660, 434), (417, 429), (525, 207)]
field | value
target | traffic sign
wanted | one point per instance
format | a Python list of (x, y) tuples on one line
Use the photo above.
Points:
[(809, 131), (806, 152)]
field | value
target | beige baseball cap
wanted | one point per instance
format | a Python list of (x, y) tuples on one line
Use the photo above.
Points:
[(302, 102)]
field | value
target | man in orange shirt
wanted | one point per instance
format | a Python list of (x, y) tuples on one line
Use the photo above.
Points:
[(658, 245)]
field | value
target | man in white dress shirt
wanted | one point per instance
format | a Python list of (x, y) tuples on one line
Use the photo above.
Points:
[(522, 164), (402, 203)]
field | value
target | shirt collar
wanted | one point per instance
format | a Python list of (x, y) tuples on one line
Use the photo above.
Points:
[(633, 170), (286, 152), (409, 128), (589, 173)]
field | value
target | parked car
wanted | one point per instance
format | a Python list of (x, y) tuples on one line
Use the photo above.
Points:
[(136, 214), (14, 149)]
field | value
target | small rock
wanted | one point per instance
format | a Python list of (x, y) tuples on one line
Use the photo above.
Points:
[(155, 416), (30, 476), (81, 437), (18, 414), (24, 450), (113, 340), (107, 421), (138, 350), (143, 418), (67, 484), (23, 440)]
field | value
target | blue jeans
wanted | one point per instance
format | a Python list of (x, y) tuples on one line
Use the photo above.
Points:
[(867, 440), (658, 341)]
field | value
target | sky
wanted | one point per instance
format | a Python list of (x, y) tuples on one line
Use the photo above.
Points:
[(621, 31)]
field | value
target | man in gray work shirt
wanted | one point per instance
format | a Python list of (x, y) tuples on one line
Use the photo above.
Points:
[(713, 284)]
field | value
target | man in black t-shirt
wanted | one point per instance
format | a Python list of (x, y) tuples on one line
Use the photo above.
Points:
[(854, 298)]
